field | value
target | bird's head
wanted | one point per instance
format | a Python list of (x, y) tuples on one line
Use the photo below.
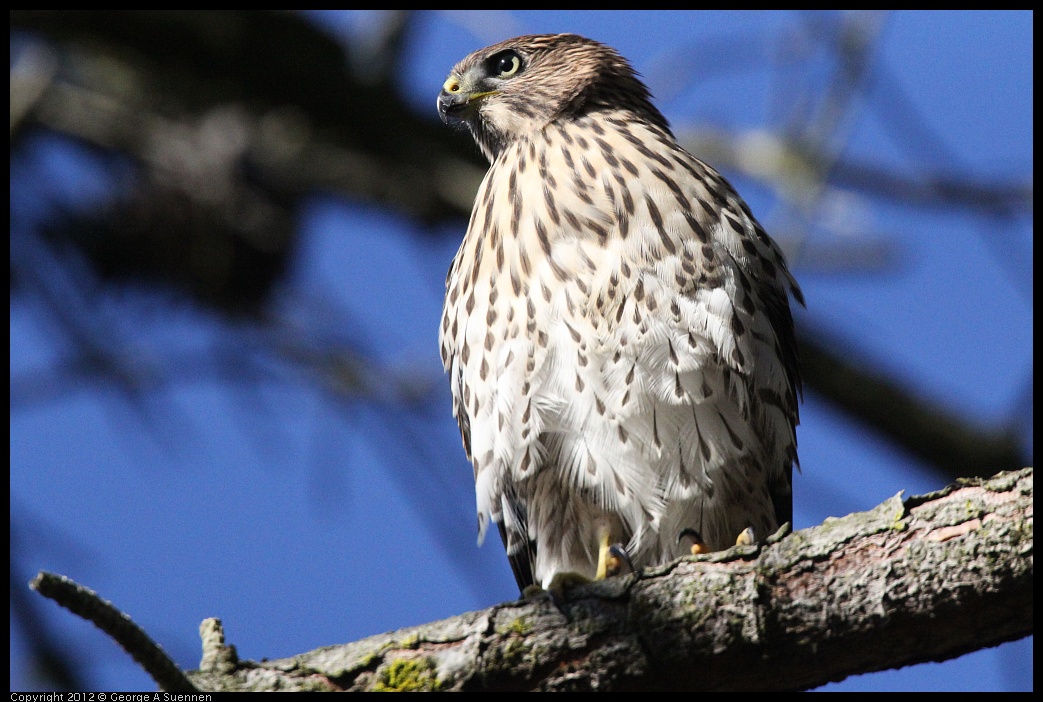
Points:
[(517, 87)]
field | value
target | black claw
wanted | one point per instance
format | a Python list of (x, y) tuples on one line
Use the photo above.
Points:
[(688, 531), (621, 557)]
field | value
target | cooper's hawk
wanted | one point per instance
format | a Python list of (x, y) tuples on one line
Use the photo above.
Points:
[(617, 329)]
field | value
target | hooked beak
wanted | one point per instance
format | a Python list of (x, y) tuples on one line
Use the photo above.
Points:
[(458, 102)]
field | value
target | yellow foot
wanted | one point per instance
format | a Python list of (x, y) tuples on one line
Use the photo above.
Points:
[(746, 538), (612, 558), (617, 561)]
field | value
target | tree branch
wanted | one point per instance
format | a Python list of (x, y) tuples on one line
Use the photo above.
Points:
[(927, 578), (87, 604)]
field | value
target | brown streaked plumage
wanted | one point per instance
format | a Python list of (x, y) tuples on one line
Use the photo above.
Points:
[(617, 329)]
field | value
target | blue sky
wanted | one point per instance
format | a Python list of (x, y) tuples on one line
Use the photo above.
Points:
[(293, 515)]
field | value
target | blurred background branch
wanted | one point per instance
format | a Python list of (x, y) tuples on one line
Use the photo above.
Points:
[(225, 119)]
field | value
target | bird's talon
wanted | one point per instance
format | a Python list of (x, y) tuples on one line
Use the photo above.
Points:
[(617, 561), (558, 587), (746, 537), (698, 545)]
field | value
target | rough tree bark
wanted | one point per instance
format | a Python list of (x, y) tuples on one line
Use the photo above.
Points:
[(925, 578)]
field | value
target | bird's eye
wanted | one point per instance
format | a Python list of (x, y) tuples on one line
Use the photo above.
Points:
[(505, 64)]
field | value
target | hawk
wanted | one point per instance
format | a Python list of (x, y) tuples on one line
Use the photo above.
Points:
[(616, 330)]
